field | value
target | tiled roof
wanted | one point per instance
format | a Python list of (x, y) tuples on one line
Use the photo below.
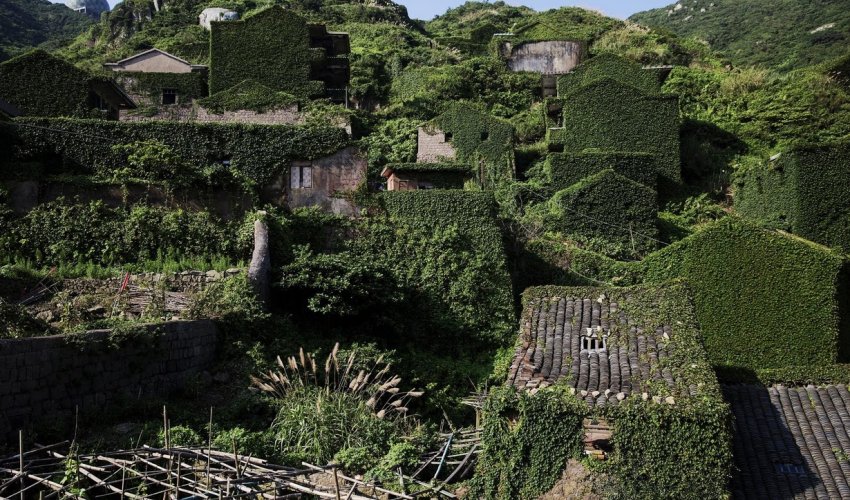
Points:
[(636, 358), (791, 442)]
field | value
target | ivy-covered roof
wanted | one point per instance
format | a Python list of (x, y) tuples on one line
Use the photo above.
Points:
[(791, 442), (429, 167), (651, 348)]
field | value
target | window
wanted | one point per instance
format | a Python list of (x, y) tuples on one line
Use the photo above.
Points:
[(301, 177), (594, 340), (485, 135), (169, 96), (790, 469), (449, 137)]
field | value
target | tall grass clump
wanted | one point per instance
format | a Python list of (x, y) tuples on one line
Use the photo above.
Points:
[(334, 408)]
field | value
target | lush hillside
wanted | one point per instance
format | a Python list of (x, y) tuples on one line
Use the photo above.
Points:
[(783, 34), (28, 23)]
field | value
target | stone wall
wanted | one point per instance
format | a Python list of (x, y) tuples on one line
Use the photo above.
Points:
[(548, 58), (433, 147), (50, 376), (284, 116)]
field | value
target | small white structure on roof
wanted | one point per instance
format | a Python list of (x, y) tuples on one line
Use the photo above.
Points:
[(216, 14)]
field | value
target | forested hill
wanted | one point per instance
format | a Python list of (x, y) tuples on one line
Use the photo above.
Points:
[(29, 23), (783, 34)]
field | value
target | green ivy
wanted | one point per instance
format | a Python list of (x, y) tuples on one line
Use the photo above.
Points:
[(188, 85), (527, 441), (479, 138), (566, 169), (609, 66), (43, 85), (804, 192), (258, 152), (250, 95), (608, 115), (271, 47), (608, 207)]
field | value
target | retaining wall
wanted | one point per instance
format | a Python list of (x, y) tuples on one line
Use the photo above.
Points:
[(48, 375)]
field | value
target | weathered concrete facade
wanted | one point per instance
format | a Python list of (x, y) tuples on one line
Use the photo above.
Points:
[(434, 146), (547, 58), (154, 61), (321, 183), (51, 376)]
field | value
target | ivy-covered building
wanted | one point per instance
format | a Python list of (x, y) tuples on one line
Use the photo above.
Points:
[(614, 373), (40, 84), (281, 50), (803, 191), (157, 79), (416, 176), (468, 136)]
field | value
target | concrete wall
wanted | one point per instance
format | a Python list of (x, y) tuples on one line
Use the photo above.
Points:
[(333, 176), (26, 195), (432, 147), (154, 62), (48, 376), (548, 58)]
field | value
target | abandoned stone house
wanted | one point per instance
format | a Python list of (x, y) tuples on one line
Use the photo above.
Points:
[(549, 58), (326, 183), (155, 78), (605, 345), (416, 176)]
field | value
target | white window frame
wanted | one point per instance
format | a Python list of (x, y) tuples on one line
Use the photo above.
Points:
[(301, 177)]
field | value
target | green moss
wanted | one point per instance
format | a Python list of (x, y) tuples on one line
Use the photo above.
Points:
[(271, 47), (249, 95), (43, 85), (609, 66), (805, 192)]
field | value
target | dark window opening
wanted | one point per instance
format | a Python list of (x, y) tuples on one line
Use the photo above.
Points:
[(485, 135), (449, 137), (790, 469), (169, 96), (594, 341)]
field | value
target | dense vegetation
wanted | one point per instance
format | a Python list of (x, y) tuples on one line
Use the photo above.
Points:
[(782, 34), (30, 23), (626, 178)]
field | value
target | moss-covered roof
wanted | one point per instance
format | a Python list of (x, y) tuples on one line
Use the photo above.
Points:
[(651, 349)]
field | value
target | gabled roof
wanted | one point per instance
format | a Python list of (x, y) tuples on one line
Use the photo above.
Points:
[(790, 442), (140, 54), (651, 349)]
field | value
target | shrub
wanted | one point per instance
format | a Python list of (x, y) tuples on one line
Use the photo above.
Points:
[(16, 322)]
